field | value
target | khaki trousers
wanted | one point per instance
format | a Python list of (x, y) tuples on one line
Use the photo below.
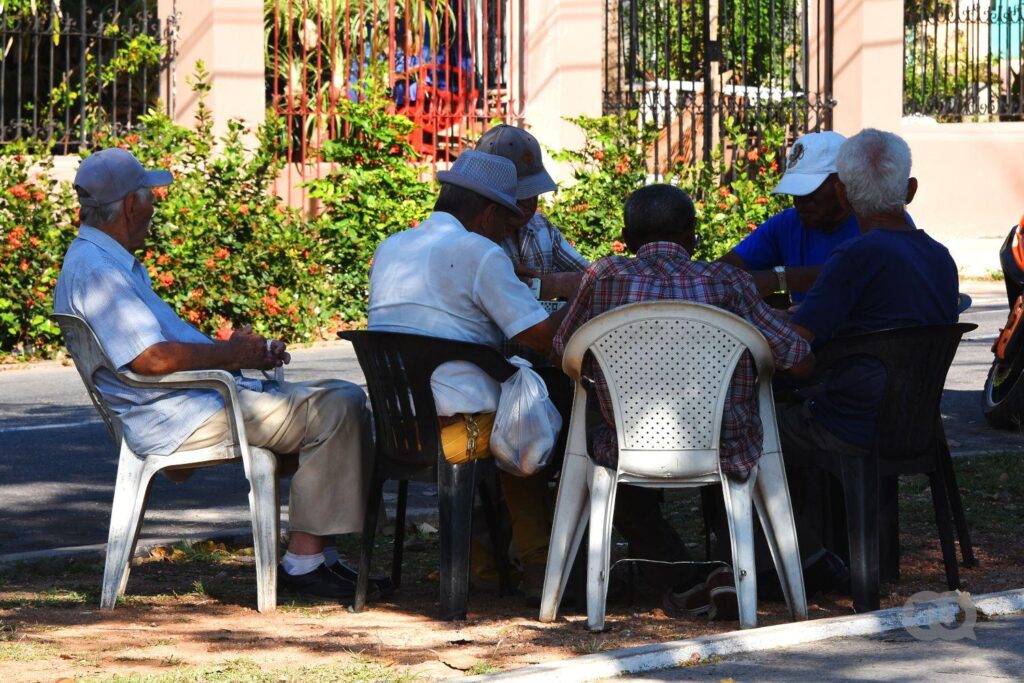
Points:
[(328, 424)]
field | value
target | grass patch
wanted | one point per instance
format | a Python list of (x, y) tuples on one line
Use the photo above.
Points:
[(25, 651), (246, 671), (482, 668), (55, 597)]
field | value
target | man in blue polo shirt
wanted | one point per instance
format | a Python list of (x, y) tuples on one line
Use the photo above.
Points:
[(786, 252)]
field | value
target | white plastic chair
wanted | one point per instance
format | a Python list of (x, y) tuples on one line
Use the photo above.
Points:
[(668, 367), (135, 471)]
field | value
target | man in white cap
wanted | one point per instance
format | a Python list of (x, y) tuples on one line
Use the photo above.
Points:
[(326, 423), (448, 277), (536, 247), (787, 251)]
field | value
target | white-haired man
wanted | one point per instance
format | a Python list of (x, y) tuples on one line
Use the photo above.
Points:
[(892, 275), (326, 423)]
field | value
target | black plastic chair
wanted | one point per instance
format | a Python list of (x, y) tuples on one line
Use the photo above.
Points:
[(909, 439), (408, 447)]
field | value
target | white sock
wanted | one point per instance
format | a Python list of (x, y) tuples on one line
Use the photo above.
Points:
[(297, 565), (330, 555)]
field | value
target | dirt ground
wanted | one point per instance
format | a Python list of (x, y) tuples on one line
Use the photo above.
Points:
[(190, 615)]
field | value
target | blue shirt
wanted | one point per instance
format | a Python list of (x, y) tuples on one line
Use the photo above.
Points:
[(880, 280), (782, 240), (108, 287)]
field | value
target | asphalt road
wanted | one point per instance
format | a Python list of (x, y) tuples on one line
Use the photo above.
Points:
[(995, 655), (58, 465)]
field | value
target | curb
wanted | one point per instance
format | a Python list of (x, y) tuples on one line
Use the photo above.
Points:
[(693, 651)]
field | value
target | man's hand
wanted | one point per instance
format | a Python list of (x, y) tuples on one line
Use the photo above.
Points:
[(526, 274), (276, 353), (250, 349)]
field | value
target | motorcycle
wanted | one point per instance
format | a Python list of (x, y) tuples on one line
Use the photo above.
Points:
[(1002, 401)]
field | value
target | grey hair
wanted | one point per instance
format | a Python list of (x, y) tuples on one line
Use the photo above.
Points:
[(105, 214), (874, 167)]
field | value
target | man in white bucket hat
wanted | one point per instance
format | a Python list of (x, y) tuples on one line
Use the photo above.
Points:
[(786, 252), (449, 278)]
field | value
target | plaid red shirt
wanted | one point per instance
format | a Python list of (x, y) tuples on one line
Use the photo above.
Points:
[(663, 270)]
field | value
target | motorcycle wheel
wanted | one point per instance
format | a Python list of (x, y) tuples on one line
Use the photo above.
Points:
[(1002, 400)]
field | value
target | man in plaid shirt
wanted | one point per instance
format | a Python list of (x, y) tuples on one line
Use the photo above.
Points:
[(659, 229)]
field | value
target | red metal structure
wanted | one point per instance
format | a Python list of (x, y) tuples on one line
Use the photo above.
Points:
[(452, 66)]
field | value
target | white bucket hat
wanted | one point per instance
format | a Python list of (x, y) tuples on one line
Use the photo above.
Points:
[(811, 160)]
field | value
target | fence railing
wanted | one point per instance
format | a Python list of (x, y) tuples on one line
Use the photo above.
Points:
[(451, 66), (70, 69), (687, 66), (962, 59)]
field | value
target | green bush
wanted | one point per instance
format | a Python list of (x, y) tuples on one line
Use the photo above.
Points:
[(373, 190), (37, 223), (732, 191)]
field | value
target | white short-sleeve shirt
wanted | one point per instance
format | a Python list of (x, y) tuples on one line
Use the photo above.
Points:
[(439, 279)]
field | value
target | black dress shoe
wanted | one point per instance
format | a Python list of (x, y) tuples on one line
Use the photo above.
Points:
[(829, 573), (380, 586), (321, 583)]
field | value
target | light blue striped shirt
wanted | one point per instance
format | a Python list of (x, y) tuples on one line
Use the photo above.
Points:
[(105, 285)]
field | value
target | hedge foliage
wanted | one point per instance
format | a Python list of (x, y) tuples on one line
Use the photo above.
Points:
[(226, 251)]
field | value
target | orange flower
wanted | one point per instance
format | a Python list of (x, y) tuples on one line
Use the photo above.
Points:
[(272, 291), (132, 139), (752, 226), (723, 192), (752, 155), (193, 316), (761, 200), (623, 165), (197, 293), (34, 241), (38, 196), (24, 265), (599, 154), (220, 253), (271, 305), (775, 166), (159, 192), (618, 247), (210, 264), (243, 209), (148, 255), (19, 191), (724, 206), (166, 279), (163, 259), (224, 331)]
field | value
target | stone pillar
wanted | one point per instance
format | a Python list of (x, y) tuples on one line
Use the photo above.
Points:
[(868, 65), (564, 53), (228, 36)]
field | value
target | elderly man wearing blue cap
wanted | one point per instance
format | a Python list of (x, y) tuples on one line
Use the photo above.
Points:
[(449, 278), (326, 423), (787, 251)]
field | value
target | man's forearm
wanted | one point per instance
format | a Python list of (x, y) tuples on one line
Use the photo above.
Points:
[(798, 279), (167, 357)]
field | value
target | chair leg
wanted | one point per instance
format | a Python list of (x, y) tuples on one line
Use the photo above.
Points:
[(860, 492), (943, 521), (953, 491), (130, 494), (602, 510), (266, 519), (889, 529), (738, 506), (774, 508), (571, 514), (373, 501), (396, 556), (455, 489)]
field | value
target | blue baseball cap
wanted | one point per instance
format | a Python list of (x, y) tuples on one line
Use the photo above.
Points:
[(110, 174)]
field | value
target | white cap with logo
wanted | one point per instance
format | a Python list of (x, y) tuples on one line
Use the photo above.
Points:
[(811, 160)]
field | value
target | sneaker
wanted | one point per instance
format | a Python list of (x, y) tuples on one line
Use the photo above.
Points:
[(721, 586), (693, 602), (320, 584), (379, 584)]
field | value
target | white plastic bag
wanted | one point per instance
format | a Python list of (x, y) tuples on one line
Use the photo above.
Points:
[(527, 423)]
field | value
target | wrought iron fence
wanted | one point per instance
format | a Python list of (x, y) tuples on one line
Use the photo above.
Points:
[(688, 65), (451, 66), (72, 68), (962, 59)]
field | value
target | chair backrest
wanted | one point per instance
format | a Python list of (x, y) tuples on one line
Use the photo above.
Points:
[(916, 361), (89, 357), (398, 369), (668, 366)]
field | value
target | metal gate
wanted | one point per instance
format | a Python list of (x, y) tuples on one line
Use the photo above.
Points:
[(688, 66)]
